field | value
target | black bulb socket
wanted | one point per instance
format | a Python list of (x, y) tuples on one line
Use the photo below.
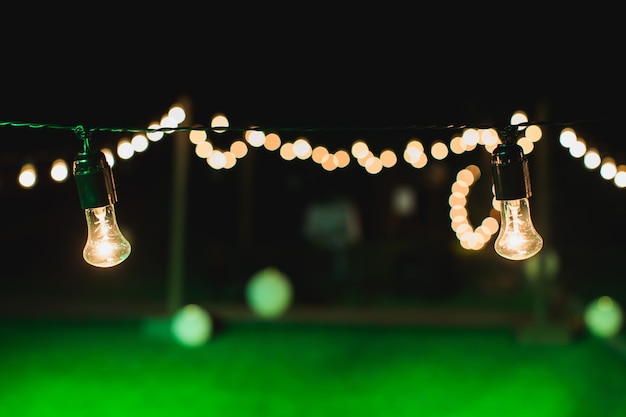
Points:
[(94, 180), (509, 167)]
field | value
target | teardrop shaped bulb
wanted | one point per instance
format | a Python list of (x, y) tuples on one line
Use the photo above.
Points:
[(106, 246), (517, 239)]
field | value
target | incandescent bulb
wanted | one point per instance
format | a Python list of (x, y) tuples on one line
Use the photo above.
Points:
[(106, 246), (517, 239)]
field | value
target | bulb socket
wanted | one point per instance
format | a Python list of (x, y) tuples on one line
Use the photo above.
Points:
[(509, 168), (94, 180)]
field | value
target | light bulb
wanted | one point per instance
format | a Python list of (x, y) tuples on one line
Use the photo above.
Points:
[(517, 239), (106, 246)]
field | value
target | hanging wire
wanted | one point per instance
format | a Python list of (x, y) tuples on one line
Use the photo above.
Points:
[(415, 127)]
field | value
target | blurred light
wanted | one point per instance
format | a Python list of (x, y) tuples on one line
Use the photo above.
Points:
[(388, 158), (608, 169), (404, 201), (217, 160), (239, 148), (192, 326), (177, 114), (578, 148), (567, 137), (269, 292), (343, 158), (470, 138), (526, 144), (155, 136), (125, 149), (286, 151), (439, 150), (28, 176), (359, 149), (272, 141), (59, 170), (139, 142), (168, 121), (302, 148), (533, 133), (318, 153), (203, 149), (329, 162), (519, 117), (373, 165), (620, 176), (229, 159), (592, 159), (108, 155), (219, 120), (603, 317), (255, 138), (197, 136), (489, 137), (456, 145)]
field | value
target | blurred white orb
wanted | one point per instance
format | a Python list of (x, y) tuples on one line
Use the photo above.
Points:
[(603, 317), (192, 325), (269, 293)]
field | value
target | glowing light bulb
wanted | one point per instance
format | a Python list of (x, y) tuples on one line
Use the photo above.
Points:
[(517, 238), (106, 246)]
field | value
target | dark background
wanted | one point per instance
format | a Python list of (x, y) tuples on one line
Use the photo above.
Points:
[(384, 70)]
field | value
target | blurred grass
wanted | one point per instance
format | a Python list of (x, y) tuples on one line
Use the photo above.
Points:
[(114, 368)]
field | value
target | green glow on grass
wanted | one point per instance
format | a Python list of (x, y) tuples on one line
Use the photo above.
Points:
[(278, 369)]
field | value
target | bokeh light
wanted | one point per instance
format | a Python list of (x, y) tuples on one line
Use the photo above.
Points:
[(192, 326), (603, 317), (269, 292)]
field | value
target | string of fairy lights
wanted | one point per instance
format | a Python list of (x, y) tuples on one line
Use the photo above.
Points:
[(415, 153)]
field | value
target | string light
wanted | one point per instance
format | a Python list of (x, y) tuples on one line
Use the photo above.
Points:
[(106, 246), (518, 239), (269, 138)]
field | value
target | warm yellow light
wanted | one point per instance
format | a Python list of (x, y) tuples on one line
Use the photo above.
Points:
[(219, 120), (59, 170), (255, 138), (217, 160), (125, 149), (439, 150), (139, 143), (608, 169), (204, 149), (197, 136), (177, 113), (286, 151), (359, 149), (343, 158), (592, 159), (388, 158), (156, 135), (272, 141), (567, 137), (28, 176), (239, 148)]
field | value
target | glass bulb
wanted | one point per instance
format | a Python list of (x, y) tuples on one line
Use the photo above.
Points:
[(106, 246), (518, 238)]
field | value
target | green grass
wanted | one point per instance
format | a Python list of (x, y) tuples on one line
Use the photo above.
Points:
[(116, 368)]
